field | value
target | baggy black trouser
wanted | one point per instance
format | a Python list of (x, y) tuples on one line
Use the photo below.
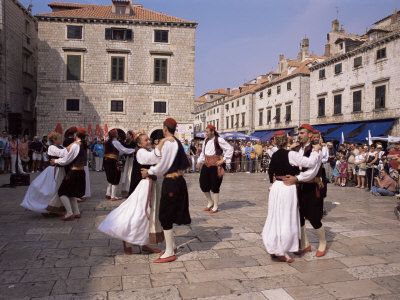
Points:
[(311, 206), (209, 180)]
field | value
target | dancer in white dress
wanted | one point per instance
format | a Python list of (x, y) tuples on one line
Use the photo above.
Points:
[(281, 230), (43, 190), (135, 221)]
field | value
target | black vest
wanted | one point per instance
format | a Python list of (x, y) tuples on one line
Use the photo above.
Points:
[(136, 175), (68, 141), (110, 149), (181, 161), (81, 159), (280, 165)]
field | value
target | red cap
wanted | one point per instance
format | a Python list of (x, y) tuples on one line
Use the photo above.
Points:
[(170, 123), (113, 133), (81, 130), (70, 131), (279, 133), (308, 127), (211, 127)]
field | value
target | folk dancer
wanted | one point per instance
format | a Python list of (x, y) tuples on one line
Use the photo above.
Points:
[(74, 183), (281, 230), (42, 194), (215, 154), (174, 202), (311, 189), (136, 221), (113, 149)]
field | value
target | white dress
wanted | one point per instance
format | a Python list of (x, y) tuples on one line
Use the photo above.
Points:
[(130, 221), (281, 230), (44, 188)]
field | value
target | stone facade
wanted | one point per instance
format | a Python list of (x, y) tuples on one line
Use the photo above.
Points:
[(18, 64), (95, 90), (355, 78)]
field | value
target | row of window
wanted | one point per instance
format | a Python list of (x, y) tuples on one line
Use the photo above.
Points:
[(357, 62), (117, 65), (159, 107), (278, 90), (233, 121), (232, 104), (75, 32), (277, 118), (380, 99)]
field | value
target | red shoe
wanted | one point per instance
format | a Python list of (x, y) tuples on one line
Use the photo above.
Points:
[(127, 250), (321, 253), (303, 251), (284, 259), (165, 260), (77, 216), (213, 211), (108, 197), (70, 218), (207, 208)]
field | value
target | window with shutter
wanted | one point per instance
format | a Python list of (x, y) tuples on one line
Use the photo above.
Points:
[(72, 104), (338, 68), (278, 114), (288, 116), (161, 36), (117, 105), (74, 67), (74, 32), (160, 107), (337, 104), (160, 70), (117, 68), (321, 107), (322, 74), (356, 101), (380, 96), (269, 116)]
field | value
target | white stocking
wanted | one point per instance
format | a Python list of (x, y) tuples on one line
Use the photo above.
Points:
[(67, 204), (210, 202), (169, 243), (75, 206), (304, 243), (113, 191), (108, 193), (215, 198), (322, 239)]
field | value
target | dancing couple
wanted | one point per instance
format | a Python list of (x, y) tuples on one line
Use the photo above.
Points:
[(296, 194), (159, 200)]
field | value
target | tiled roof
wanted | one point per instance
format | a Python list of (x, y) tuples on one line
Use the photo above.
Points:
[(89, 11)]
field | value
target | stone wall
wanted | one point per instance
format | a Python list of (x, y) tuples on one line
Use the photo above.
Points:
[(95, 91)]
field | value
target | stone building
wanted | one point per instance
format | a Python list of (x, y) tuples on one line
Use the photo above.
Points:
[(114, 66), (18, 63), (356, 89)]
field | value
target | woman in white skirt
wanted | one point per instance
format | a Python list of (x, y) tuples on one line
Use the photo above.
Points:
[(281, 230), (41, 196), (135, 221)]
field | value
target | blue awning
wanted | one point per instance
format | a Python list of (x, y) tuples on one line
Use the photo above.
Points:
[(260, 133), (268, 134), (355, 132)]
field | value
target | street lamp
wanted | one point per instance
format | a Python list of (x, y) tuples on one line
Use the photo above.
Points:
[(203, 120)]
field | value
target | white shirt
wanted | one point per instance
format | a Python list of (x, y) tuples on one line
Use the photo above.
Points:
[(298, 160), (272, 150), (360, 158), (168, 154), (325, 154), (145, 157), (209, 150), (121, 149), (69, 158), (57, 152), (312, 171)]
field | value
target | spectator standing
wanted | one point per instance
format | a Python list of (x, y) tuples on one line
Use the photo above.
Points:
[(384, 185), (24, 153), (14, 150), (7, 153), (250, 156), (37, 149), (3, 141), (243, 157), (360, 167), (193, 155), (258, 148), (98, 153), (343, 167), (372, 165)]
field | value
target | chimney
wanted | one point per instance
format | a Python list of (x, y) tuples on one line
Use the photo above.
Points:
[(228, 91), (327, 50), (304, 48), (335, 25)]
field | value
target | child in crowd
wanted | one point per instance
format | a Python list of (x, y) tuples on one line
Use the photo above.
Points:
[(343, 165)]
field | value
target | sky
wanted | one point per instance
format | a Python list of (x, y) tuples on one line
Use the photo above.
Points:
[(237, 40)]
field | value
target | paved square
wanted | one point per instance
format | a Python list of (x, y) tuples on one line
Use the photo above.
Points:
[(220, 256)]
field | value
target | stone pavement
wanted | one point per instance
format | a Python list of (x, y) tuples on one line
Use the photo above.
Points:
[(220, 256)]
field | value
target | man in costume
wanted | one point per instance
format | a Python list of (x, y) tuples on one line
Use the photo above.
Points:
[(311, 188), (174, 202), (215, 154), (112, 150), (136, 220), (74, 183)]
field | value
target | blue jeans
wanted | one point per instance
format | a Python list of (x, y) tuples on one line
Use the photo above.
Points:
[(381, 191)]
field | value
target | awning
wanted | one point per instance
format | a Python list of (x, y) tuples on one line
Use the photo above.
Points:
[(260, 133), (268, 134), (355, 132)]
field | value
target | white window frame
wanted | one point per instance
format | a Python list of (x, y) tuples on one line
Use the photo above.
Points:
[(82, 55), (111, 55), (83, 32), (160, 100), (117, 112), (73, 111), (160, 43)]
